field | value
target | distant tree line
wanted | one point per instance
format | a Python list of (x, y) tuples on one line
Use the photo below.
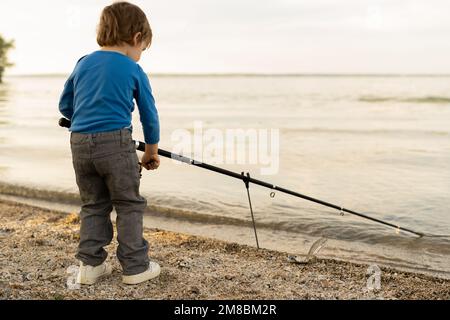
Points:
[(5, 46)]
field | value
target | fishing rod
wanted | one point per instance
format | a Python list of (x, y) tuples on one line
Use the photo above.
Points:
[(63, 122)]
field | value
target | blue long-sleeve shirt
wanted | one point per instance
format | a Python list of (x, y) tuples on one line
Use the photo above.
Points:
[(98, 96)]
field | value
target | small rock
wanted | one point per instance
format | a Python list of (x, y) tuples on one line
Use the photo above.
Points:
[(183, 264), (16, 286), (214, 260), (299, 259), (194, 289), (4, 232), (40, 242), (231, 247), (27, 277)]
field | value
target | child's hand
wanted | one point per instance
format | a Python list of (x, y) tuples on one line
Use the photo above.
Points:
[(150, 161)]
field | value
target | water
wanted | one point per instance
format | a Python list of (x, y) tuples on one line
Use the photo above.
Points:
[(375, 144)]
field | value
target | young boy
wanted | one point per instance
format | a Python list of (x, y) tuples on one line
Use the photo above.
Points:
[(98, 99)]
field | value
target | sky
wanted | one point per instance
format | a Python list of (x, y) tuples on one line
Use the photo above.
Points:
[(243, 36)]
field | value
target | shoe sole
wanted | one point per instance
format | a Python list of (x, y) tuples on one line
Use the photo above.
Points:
[(91, 281), (139, 278)]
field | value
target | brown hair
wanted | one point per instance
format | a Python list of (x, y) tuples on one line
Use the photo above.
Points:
[(119, 23)]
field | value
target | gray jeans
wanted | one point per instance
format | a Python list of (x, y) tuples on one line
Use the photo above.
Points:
[(107, 172)]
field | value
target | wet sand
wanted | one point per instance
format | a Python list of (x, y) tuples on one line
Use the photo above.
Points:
[(37, 247)]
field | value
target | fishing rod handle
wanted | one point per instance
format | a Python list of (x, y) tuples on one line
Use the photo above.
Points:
[(141, 147), (65, 123)]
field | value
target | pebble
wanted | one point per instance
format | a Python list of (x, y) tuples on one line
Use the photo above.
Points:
[(194, 289), (183, 264), (221, 270)]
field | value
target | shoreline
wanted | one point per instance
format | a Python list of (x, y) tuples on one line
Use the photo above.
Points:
[(38, 246), (294, 243), (385, 248)]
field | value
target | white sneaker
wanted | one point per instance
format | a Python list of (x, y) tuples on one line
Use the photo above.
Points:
[(152, 272), (90, 275)]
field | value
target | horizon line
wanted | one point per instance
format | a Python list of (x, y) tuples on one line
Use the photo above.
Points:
[(254, 74)]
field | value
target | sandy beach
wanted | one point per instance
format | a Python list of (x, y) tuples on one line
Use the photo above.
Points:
[(37, 247)]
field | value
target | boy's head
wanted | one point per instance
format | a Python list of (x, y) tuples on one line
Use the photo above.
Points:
[(123, 23)]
